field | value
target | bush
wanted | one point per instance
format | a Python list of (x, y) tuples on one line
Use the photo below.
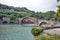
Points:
[(36, 31)]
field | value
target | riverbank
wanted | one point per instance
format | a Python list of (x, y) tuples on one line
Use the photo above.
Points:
[(51, 34), (45, 36), (53, 31)]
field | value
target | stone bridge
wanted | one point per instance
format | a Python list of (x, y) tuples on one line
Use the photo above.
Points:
[(27, 20)]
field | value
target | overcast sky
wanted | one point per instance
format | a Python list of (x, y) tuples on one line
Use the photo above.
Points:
[(35, 5)]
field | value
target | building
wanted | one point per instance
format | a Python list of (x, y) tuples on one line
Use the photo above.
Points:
[(5, 20)]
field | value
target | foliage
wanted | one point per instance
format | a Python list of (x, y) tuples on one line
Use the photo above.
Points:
[(46, 15), (12, 17), (57, 14), (58, 0), (36, 31), (24, 14)]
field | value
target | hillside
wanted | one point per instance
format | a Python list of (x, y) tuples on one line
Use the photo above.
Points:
[(14, 12), (11, 8)]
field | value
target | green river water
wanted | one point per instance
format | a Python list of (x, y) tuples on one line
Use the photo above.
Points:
[(16, 32)]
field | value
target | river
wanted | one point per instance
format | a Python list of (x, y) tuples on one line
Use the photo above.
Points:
[(16, 32)]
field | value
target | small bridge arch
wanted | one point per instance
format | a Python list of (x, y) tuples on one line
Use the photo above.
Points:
[(47, 22), (43, 22)]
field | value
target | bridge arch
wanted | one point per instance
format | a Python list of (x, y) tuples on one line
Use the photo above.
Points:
[(43, 23), (4, 22), (28, 20)]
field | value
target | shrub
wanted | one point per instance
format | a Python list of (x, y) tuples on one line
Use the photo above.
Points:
[(36, 31)]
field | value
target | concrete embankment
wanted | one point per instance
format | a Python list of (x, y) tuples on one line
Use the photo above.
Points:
[(53, 31)]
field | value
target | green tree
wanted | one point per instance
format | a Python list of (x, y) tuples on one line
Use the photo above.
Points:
[(23, 14), (57, 14), (12, 17), (58, 0)]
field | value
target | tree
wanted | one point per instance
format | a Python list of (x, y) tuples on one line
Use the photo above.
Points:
[(12, 17), (58, 0), (57, 14), (23, 14)]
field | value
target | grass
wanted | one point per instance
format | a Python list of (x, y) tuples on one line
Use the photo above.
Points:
[(48, 37)]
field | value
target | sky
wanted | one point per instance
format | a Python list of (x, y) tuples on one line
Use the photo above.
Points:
[(35, 5)]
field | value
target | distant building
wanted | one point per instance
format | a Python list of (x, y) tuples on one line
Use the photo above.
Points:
[(11, 10), (6, 19)]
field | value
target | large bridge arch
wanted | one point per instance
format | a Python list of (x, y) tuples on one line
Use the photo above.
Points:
[(29, 20)]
